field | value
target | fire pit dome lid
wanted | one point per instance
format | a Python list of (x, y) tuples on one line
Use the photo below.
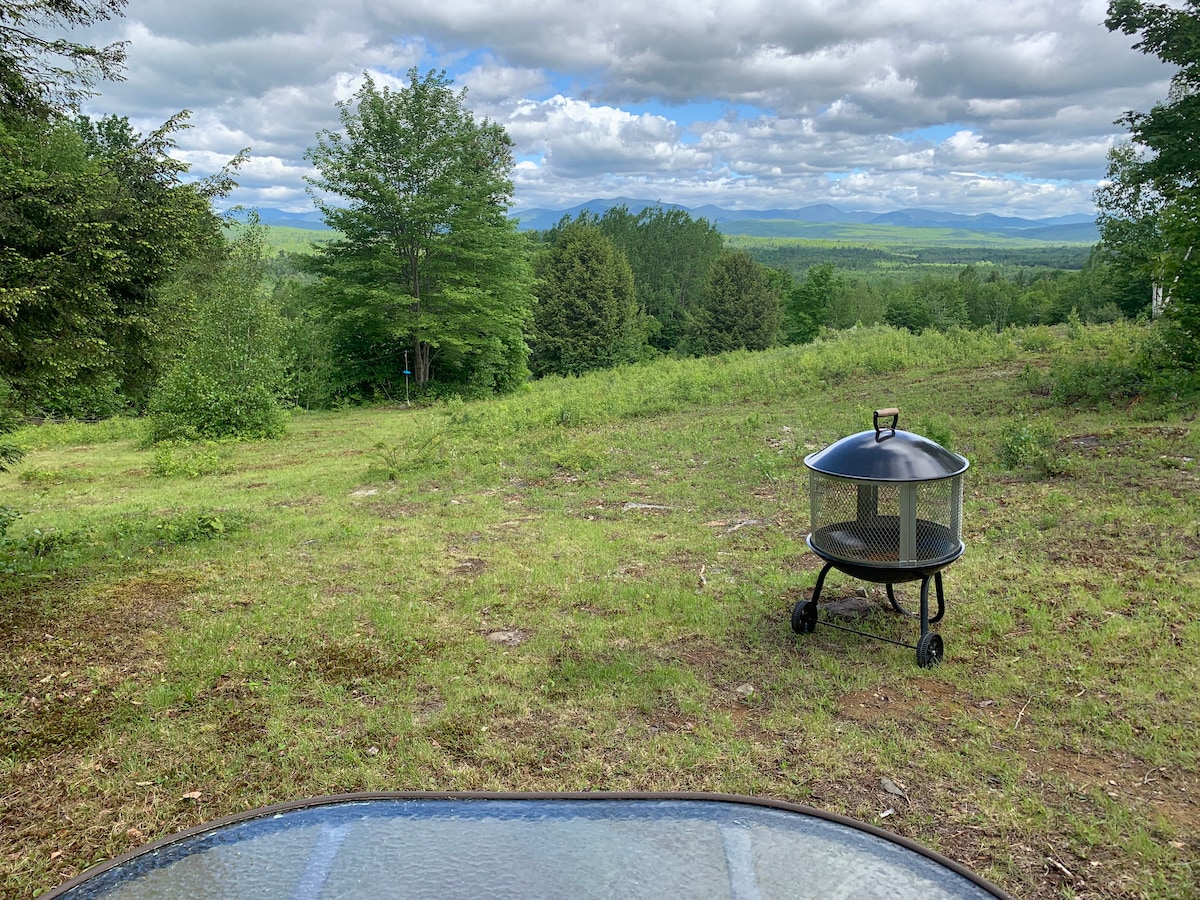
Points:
[(887, 454)]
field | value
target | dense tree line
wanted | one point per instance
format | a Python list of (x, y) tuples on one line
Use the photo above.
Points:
[(102, 243), (798, 256)]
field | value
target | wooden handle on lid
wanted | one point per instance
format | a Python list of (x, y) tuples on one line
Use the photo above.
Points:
[(890, 413)]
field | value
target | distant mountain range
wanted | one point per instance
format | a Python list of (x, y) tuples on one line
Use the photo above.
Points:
[(787, 222), (774, 222)]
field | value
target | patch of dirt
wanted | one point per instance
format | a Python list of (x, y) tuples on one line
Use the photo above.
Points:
[(470, 568), (56, 715), (1172, 793), (397, 510), (309, 502), (508, 638), (64, 674), (349, 661)]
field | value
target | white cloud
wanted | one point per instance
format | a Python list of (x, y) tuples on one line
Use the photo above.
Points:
[(740, 102)]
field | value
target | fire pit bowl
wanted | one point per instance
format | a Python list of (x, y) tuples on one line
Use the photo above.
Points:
[(886, 507)]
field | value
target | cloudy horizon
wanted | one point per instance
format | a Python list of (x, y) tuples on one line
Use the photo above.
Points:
[(950, 105)]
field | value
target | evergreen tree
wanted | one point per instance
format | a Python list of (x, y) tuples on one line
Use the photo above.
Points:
[(586, 315), (427, 261), (95, 223), (741, 309)]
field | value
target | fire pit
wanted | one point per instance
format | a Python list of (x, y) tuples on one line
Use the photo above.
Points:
[(886, 507)]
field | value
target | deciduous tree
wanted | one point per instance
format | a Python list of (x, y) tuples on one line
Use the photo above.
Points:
[(1150, 204), (230, 376), (805, 304), (427, 261), (41, 73)]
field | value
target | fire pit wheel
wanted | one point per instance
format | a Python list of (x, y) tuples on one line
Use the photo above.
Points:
[(929, 650), (804, 617)]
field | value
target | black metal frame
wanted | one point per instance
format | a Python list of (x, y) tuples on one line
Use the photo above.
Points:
[(930, 647)]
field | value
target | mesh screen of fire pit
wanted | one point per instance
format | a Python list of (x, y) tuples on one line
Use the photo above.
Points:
[(886, 499), (901, 525)]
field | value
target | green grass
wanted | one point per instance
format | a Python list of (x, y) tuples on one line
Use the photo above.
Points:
[(566, 588)]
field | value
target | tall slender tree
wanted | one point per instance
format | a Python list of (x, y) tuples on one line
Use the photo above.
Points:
[(1150, 206), (427, 261)]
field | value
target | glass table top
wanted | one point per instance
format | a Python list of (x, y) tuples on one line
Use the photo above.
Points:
[(569, 846)]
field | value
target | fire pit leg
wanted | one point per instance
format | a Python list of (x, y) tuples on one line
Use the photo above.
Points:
[(930, 648), (941, 600)]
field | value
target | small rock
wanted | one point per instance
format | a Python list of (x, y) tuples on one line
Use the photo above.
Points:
[(372, 751), (744, 690), (850, 608), (511, 638), (892, 788)]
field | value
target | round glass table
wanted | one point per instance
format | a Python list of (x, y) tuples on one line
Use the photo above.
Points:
[(448, 846)]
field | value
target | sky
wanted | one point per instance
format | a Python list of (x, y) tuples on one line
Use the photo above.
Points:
[(965, 106)]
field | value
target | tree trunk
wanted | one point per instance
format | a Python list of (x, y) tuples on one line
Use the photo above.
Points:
[(421, 360)]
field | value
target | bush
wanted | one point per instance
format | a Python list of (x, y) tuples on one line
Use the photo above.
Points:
[(1100, 365), (193, 405), (1032, 445)]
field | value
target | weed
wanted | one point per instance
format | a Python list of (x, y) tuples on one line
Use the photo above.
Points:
[(41, 476), (577, 457), (938, 429), (394, 462), (1032, 444), (1038, 339), (40, 549), (1034, 381), (190, 527), (177, 459), (72, 433)]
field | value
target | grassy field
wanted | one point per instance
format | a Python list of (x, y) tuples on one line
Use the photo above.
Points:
[(587, 586), (892, 236)]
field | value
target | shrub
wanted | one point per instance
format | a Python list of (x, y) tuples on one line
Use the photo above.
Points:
[(1105, 364), (1032, 445)]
